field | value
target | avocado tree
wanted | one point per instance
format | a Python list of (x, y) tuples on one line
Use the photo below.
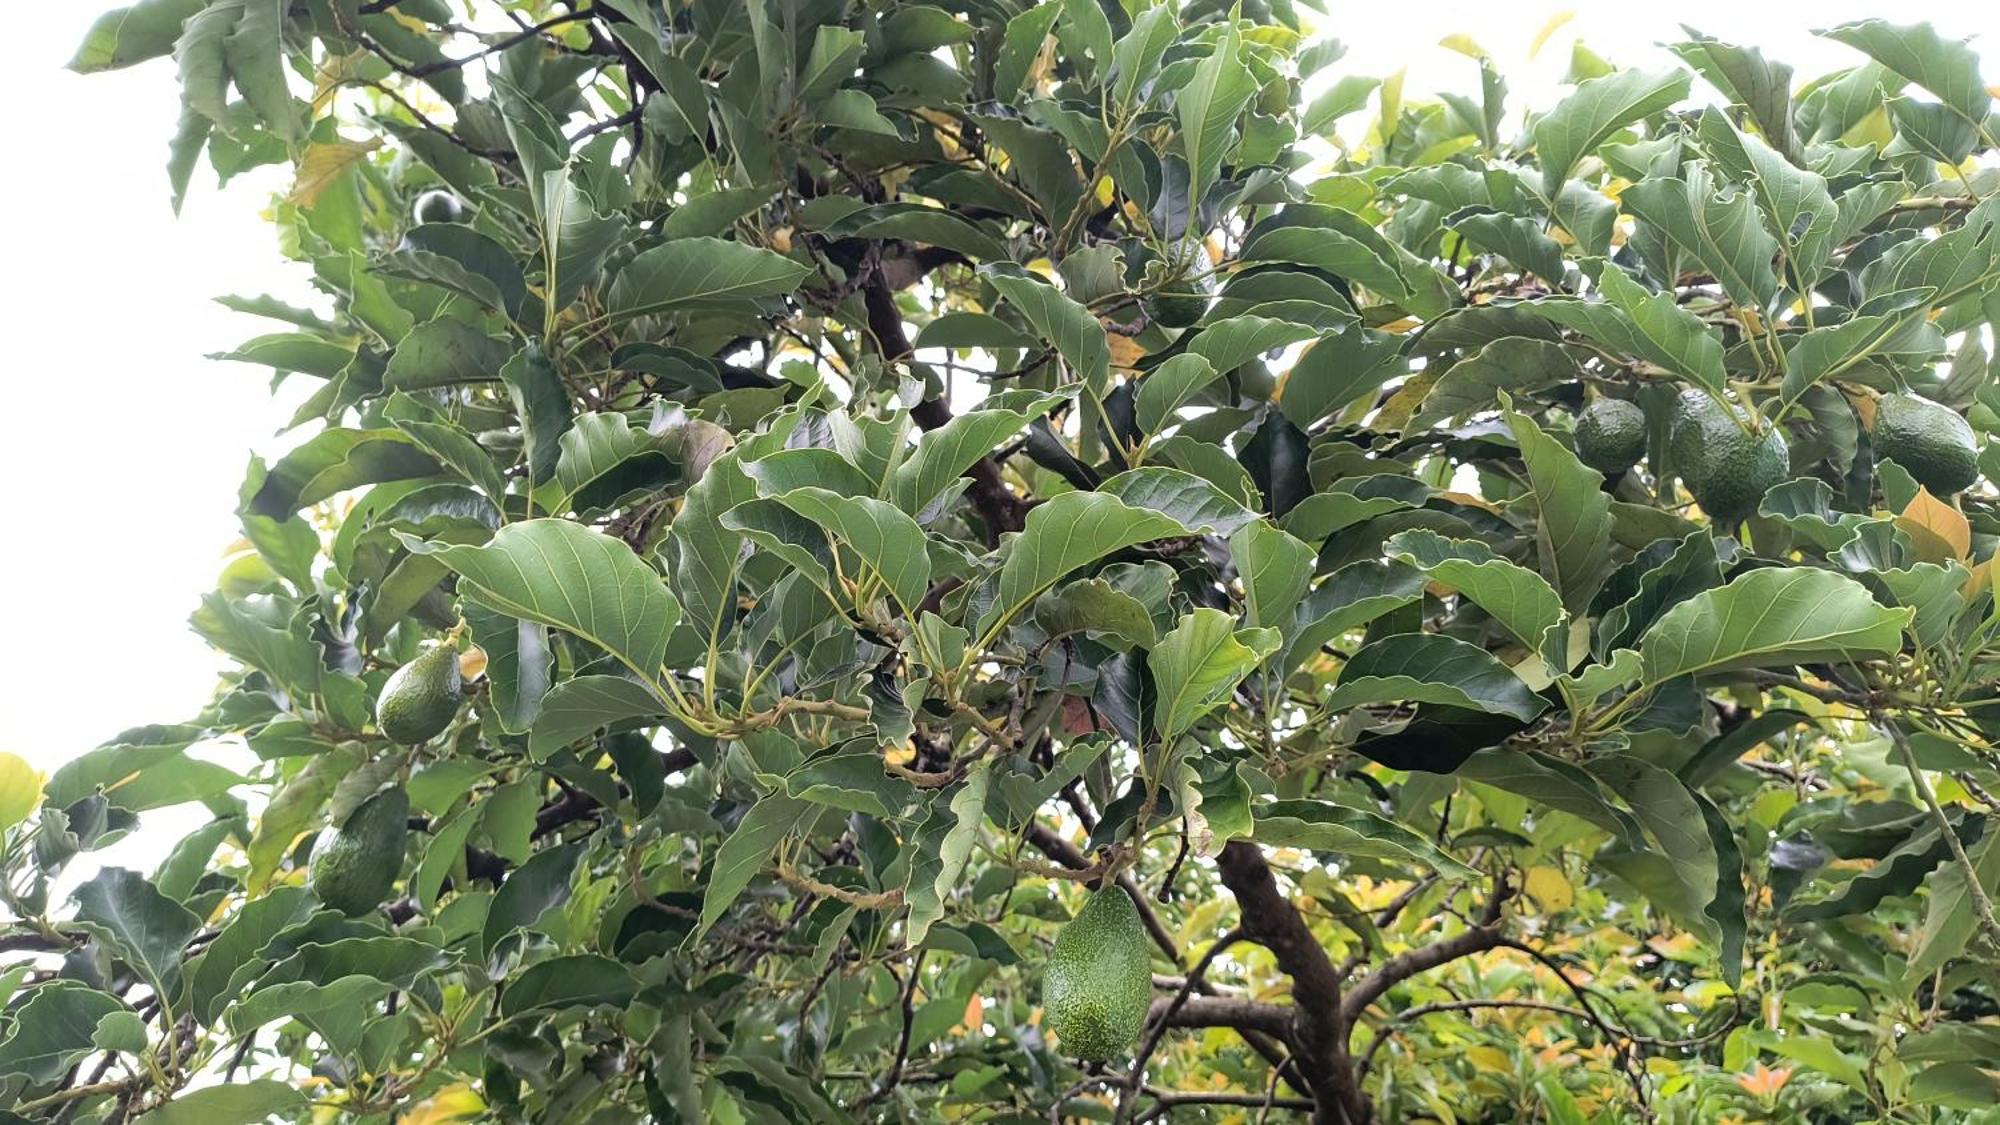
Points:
[(995, 561)]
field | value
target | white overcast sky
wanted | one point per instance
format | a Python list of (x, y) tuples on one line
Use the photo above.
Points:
[(121, 448)]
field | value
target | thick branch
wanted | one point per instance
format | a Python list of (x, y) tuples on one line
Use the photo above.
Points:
[(1320, 1026), (1223, 1011)]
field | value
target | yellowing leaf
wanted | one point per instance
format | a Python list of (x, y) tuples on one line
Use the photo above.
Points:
[(472, 662), (322, 164), (20, 789), (1125, 351), (1464, 44), (1938, 530), (1548, 31), (1549, 887), (1489, 1060), (975, 1017), (453, 1103)]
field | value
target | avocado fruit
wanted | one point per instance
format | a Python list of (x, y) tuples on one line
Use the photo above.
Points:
[(420, 698), (1098, 983), (1727, 465), (355, 864), (1611, 435), (439, 207), (1181, 306), (1930, 440)]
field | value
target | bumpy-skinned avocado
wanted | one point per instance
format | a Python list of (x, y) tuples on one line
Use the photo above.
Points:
[(1930, 440), (1098, 983), (354, 865), (439, 207), (1611, 435), (1727, 466), (420, 698), (1178, 307)]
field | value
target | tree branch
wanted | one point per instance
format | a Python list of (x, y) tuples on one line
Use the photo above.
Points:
[(1319, 1023), (1424, 958)]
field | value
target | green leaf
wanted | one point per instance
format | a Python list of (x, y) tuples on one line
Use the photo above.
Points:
[(1356, 594), (542, 403), (1065, 324), (1746, 77), (254, 52), (967, 813), (575, 709), (451, 446), (1573, 531), (1770, 618), (1229, 343), (1193, 502), (1719, 229), (120, 1031), (1063, 535), (445, 352), (1599, 108), (531, 890), (1197, 666), (583, 980), (337, 1011), (1275, 568), (1207, 109), (241, 1102), (240, 942), (1516, 597), (1650, 326), (1430, 668), (1328, 827), (1796, 205), (889, 542), (743, 855), (1341, 367), (1673, 820), (575, 240), (1168, 386), (334, 461), (144, 928), (945, 453), (569, 577), (519, 663), (1348, 93), (1512, 365), (1950, 918), (1829, 352), (716, 211), (52, 1027), (852, 781), (1948, 68), (700, 273), (124, 36), (1517, 238), (1020, 44)]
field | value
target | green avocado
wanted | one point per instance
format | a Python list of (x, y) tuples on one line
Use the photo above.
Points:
[(1726, 466), (1178, 307), (1611, 435), (1932, 441), (439, 207), (1098, 984), (421, 698), (354, 866)]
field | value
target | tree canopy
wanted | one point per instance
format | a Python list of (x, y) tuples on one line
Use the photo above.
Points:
[(1506, 592)]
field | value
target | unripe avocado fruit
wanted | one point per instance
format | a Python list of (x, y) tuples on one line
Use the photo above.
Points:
[(1930, 440), (439, 207), (1611, 435), (354, 866), (1726, 466), (1098, 984), (1178, 307), (420, 698)]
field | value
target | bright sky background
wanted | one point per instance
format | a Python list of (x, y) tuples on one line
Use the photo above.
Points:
[(122, 447)]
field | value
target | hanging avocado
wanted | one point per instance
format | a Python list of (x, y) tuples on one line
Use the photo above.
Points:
[(420, 698), (1932, 441), (354, 865), (1611, 435), (1098, 984)]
